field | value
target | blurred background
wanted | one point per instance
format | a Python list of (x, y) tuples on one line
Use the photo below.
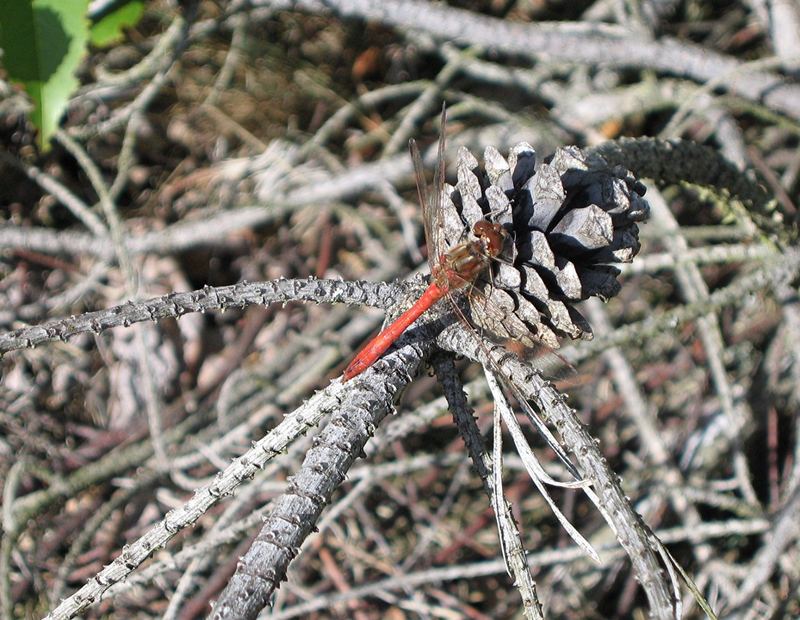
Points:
[(210, 143)]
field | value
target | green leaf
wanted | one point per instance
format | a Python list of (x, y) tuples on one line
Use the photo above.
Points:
[(109, 29), (43, 42)]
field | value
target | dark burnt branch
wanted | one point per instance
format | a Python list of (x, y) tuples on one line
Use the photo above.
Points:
[(516, 558), (671, 162)]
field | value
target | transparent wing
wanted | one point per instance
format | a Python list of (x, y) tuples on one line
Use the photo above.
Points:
[(424, 198), (493, 310), (541, 427), (436, 214), (431, 200)]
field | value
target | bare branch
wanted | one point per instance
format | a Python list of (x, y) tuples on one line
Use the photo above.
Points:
[(176, 305), (296, 512)]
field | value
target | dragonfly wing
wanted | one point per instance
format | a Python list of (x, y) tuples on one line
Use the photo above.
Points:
[(424, 195), (435, 217), (496, 312), (453, 229), (431, 200)]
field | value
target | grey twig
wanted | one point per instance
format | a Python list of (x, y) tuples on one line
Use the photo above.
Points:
[(225, 483), (90, 529), (771, 273), (51, 185), (296, 512), (782, 533), (153, 404), (611, 500), (671, 162), (426, 102), (153, 71), (576, 43), (492, 567), (722, 254), (644, 417), (514, 551), (176, 305), (694, 289), (209, 231)]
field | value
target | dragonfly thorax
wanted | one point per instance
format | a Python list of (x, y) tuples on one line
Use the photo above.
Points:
[(464, 262)]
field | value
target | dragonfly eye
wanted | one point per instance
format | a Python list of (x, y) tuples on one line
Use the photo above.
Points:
[(492, 235), (483, 228)]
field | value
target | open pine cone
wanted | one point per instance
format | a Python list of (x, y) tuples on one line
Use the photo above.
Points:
[(569, 218)]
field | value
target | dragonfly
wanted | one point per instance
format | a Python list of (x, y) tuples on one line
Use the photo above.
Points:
[(452, 269)]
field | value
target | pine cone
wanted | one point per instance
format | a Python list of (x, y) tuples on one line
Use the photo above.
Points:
[(569, 218)]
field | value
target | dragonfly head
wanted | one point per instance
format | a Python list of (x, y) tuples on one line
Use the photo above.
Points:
[(491, 235)]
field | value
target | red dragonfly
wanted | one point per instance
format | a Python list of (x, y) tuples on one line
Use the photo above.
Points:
[(454, 269), (451, 270)]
